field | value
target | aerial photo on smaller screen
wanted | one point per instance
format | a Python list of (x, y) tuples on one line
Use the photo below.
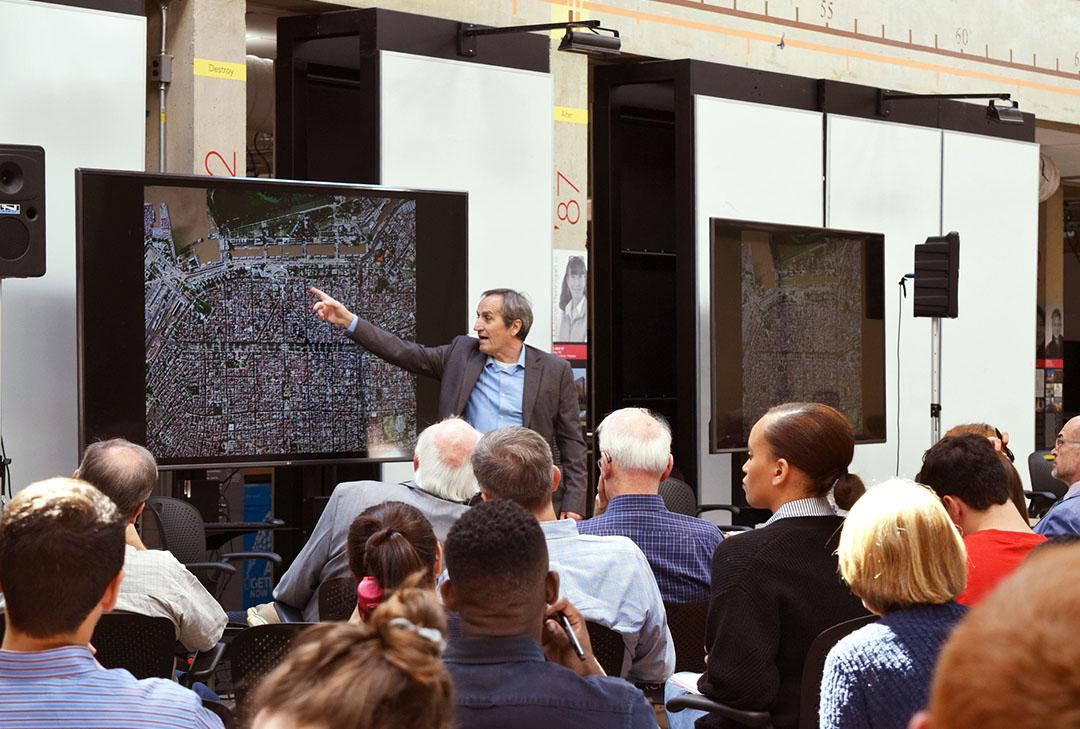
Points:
[(802, 303), (236, 364)]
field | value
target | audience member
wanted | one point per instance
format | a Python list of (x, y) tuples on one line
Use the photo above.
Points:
[(635, 456), (387, 543), (607, 578), (508, 602), (61, 565), (968, 475), (1064, 516), (442, 484), (903, 556), (154, 583), (776, 588), (1000, 441), (383, 673), (1011, 664)]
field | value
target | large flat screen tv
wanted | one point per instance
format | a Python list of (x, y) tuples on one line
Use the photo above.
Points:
[(196, 335), (798, 315)]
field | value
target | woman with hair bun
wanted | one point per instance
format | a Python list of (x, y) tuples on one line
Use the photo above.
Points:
[(774, 589), (904, 557), (387, 543), (386, 672)]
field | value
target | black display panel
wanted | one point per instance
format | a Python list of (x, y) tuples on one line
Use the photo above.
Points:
[(196, 335), (798, 315)]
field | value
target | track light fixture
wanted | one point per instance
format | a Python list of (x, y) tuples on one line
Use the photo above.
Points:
[(1001, 114), (574, 41)]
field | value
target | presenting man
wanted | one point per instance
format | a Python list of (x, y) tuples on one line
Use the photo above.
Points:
[(493, 380)]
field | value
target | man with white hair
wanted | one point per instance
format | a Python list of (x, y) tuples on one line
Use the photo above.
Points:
[(442, 485), (635, 456)]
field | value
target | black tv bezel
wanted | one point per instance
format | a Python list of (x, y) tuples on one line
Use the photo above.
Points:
[(443, 272), (764, 226)]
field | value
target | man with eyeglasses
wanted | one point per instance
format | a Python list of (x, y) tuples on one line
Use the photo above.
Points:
[(1064, 516)]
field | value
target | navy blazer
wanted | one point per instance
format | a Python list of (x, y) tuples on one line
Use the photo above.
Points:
[(549, 405)]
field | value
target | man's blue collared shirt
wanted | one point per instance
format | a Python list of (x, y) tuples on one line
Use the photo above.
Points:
[(496, 399), (66, 687), (679, 547), (505, 682), (1063, 517)]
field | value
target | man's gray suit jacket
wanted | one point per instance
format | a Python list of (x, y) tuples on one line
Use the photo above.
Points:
[(550, 403), (323, 556)]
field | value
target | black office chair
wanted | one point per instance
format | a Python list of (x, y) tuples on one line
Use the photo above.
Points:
[(182, 532), (143, 645), (1045, 489), (687, 624), (337, 599), (810, 689), (608, 647), (255, 652), (679, 498)]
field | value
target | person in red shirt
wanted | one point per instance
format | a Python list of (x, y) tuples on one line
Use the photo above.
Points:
[(968, 475)]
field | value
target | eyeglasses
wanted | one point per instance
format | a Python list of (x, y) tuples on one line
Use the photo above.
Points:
[(1059, 441)]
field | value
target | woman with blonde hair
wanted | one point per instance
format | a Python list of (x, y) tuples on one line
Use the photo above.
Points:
[(903, 556), (386, 672)]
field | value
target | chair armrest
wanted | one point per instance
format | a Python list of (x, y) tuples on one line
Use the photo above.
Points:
[(204, 665), (759, 719), (288, 613), (212, 566), (1048, 495), (240, 556)]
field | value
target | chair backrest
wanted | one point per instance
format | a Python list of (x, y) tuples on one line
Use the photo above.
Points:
[(608, 647), (337, 599), (255, 652), (181, 527), (1039, 468), (687, 623), (814, 667), (144, 645), (678, 496)]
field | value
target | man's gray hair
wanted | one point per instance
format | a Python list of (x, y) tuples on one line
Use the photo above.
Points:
[(515, 305), (636, 440), (514, 464), (125, 472), (443, 453)]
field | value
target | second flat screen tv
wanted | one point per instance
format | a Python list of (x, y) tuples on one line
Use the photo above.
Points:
[(196, 334), (798, 315)]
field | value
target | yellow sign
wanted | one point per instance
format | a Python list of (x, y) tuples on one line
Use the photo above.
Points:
[(221, 69), (571, 115)]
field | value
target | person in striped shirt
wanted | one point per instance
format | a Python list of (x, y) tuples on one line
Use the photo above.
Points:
[(61, 565)]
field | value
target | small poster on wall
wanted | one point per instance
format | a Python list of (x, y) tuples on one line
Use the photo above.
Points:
[(570, 297)]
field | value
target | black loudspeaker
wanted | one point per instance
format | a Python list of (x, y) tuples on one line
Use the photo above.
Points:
[(22, 211), (937, 276)]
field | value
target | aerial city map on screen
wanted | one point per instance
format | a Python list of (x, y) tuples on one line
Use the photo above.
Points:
[(236, 364)]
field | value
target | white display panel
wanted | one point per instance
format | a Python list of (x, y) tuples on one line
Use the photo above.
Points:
[(75, 84), (990, 195), (751, 162), (886, 178), (451, 125)]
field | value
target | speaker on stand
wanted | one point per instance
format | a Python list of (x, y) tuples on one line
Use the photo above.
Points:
[(22, 233)]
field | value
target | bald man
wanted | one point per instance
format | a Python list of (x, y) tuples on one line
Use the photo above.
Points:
[(442, 485)]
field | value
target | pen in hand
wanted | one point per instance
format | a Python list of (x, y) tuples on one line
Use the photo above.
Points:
[(575, 644)]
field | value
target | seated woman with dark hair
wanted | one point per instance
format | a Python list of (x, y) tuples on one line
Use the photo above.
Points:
[(902, 555), (386, 672), (775, 589), (387, 543)]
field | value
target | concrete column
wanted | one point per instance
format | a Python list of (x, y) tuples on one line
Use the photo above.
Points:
[(206, 105)]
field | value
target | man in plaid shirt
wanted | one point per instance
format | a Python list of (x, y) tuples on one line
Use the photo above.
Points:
[(635, 456)]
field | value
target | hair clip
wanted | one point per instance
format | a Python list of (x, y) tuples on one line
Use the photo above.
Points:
[(430, 634)]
